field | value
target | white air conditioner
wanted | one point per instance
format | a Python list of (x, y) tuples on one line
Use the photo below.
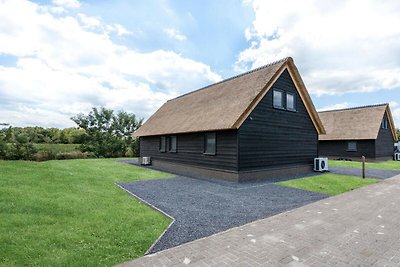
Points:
[(396, 156), (320, 164), (146, 161)]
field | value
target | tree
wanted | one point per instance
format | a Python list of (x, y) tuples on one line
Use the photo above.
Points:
[(107, 134)]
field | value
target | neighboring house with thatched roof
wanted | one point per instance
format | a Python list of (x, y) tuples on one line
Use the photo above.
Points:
[(255, 125), (354, 132)]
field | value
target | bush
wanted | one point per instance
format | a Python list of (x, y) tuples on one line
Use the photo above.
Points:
[(74, 155), (44, 155)]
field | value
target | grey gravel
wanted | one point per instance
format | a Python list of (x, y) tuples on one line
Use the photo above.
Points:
[(205, 207), (370, 173)]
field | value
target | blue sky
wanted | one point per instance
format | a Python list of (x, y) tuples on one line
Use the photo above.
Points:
[(62, 57)]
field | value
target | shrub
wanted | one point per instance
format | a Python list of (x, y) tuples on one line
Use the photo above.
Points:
[(44, 155), (74, 155)]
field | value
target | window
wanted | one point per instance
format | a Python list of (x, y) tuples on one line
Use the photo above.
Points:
[(384, 124), (172, 144), (352, 146), (209, 144), (163, 144), (290, 102), (278, 99)]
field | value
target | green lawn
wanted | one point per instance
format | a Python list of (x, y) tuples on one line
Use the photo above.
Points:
[(56, 148), (331, 184), (70, 213), (384, 165)]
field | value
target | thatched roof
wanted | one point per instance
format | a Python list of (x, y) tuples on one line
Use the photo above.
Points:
[(355, 123), (224, 105)]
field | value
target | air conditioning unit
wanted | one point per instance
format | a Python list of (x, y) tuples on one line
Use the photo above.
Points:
[(146, 161), (321, 164), (396, 156)]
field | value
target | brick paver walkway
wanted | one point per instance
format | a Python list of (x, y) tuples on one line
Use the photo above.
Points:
[(358, 228)]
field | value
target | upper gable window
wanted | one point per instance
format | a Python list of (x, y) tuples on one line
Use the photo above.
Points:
[(290, 101), (278, 98), (384, 124)]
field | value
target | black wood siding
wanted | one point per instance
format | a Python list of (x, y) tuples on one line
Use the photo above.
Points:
[(384, 144), (190, 149), (271, 137), (338, 149)]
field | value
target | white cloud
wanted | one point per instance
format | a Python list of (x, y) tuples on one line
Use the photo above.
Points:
[(121, 30), (173, 33), (67, 3), (335, 106), (339, 46), (67, 64)]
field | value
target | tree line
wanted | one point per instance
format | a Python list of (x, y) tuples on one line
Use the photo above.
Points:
[(101, 133)]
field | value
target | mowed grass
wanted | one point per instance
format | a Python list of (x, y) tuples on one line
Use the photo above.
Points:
[(330, 184), (70, 213), (57, 148), (384, 165)]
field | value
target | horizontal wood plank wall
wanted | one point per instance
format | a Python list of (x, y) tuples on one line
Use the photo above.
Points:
[(384, 144), (190, 148), (338, 149), (270, 137)]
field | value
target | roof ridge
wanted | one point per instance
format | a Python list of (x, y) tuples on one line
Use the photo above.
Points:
[(359, 107), (234, 77)]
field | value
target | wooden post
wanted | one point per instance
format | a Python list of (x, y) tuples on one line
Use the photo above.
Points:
[(363, 167)]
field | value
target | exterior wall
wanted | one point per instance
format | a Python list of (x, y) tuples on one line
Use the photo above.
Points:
[(271, 138), (384, 144), (190, 148), (338, 149)]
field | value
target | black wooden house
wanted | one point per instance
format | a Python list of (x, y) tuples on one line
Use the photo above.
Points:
[(255, 125), (361, 131)]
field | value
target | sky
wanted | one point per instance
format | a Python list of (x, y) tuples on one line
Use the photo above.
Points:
[(59, 58)]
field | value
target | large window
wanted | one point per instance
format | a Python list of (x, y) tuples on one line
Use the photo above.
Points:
[(290, 101), (278, 99), (210, 144), (352, 146), (163, 144), (172, 143)]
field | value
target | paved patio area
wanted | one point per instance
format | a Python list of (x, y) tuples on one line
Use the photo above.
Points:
[(205, 207), (358, 228)]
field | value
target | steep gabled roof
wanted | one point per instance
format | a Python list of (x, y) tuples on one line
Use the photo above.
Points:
[(355, 123), (224, 105)]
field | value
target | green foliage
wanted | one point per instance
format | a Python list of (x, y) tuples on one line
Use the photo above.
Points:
[(16, 145), (46, 135), (3, 146), (108, 134), (70, 213), (398, 133), (331, 184)]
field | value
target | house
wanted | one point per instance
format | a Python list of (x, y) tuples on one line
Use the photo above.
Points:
[(255, 125), (361, 131)]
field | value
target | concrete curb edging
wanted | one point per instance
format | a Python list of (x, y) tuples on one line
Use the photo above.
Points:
[(156, 209)]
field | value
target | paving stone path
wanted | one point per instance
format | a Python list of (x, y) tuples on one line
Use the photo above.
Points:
[(358, 228)]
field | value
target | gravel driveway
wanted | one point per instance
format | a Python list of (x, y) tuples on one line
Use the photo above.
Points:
[(202, 207), (370, 173)]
